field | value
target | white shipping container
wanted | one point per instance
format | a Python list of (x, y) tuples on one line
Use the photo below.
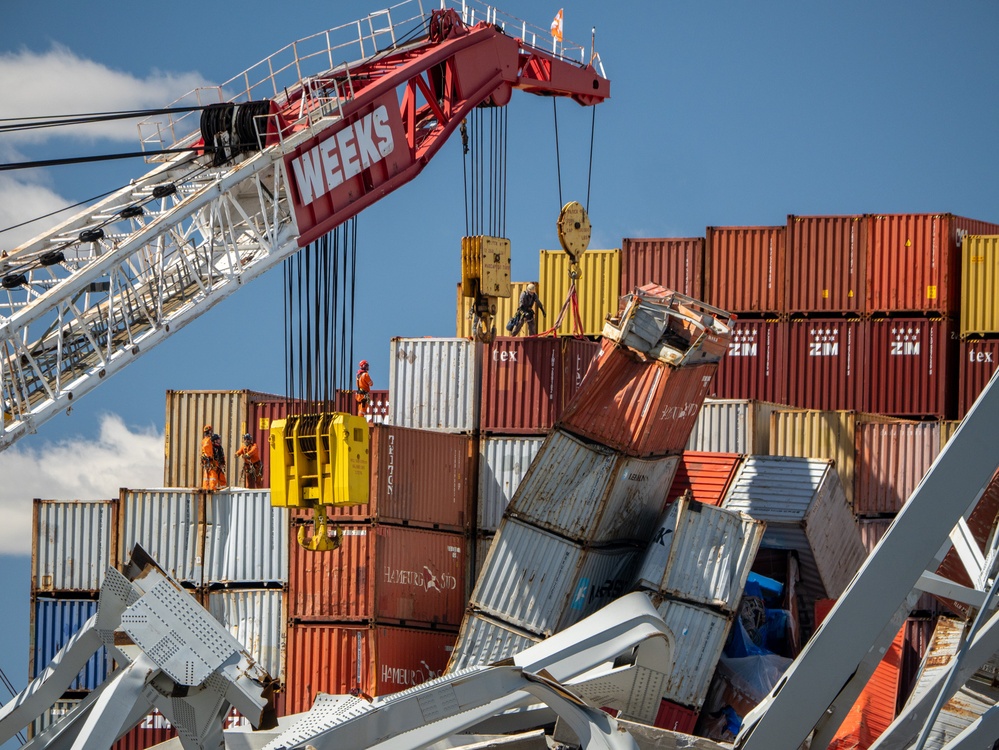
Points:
[(732, 426), (483, 640), (592, 494), (434, 383), (52, 715), (169, 525), (701, 554), (256, 618), (567, 581), (699, 635), (73, 544), (246, 539), (503, 464)]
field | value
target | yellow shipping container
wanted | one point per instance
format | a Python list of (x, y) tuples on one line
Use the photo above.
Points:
[(505, 307), (947, 429), (598, 289), (821, 434), (979, 284)]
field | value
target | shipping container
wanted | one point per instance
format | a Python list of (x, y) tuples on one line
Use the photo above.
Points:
[(229, 414), (505, 308), (483, 640), (805, 509), (745, 269), (676, 718), (947, 429), (53, 623), (911, 367), (590, 494), (568, 581), (256, 618), (358, 659), (871, 531), (828, 361), (979, 359), (706, 476), (246, 539), (388, 574), (153, 729), (979, 285), (826, 263), (434, 384), (891, 461), (701, 554), (756, 364), (503, 464), (918, 632), (732, 426), (914, 261), (52, 715), (640, 407), (169, 524), (700, 635), (73, 544), (676, 263), (597, 289)]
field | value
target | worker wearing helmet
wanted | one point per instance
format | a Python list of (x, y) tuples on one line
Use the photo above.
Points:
[(364, 383), (525, 311), (210, 469), (253, 467)]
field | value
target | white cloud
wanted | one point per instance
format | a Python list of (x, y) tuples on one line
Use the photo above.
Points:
[(20, 201), (74, 469)]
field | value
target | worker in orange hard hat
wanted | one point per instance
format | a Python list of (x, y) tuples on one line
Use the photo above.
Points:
[(253, 467), (364, 384), (209, 466), (525, 312)]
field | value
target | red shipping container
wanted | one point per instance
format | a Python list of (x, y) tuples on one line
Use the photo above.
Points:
[(152, 730), (756, 364), (979, 359), (388, 574), (911, 370), (673, 262), (825, 263), (914, 261), (918, 631), (577, 356), (676, 718), (891, 460), (745, 269), (827, 364), (369, 660), (643, 408), (706, 475)]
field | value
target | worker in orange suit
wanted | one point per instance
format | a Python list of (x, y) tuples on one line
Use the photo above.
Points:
[(253, 467), (364, 384), (210, 469)]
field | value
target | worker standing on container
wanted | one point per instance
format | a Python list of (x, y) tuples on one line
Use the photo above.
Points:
[(364, 384), (525, 311), (209, 465), (219, 454), (253, 467)]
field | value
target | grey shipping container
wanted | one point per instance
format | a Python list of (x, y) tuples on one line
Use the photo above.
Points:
[(503, 464), (169, 524), (732, 426), (256, 618), (73, 544), (483, 640), (434, 383), (246, 539)]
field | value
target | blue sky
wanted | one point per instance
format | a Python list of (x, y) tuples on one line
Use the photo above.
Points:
[(721, 113)]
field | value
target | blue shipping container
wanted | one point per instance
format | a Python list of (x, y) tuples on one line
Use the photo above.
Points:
[(56, 621)]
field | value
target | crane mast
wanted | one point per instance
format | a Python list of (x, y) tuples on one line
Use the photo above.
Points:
[(80, 302)]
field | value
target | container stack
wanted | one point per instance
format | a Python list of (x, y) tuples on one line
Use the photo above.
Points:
[(979, 347)]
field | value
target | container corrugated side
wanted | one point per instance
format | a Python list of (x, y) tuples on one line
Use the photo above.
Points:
[(676, 263), (246, 538), (590, 494), (53, 623), (154, 728), (378, 660), (503, 464), (947, 428), (676, 718), (483, 640), (55, 713), (256, 618), (597, 288), (169, 524), (705, 475), (979, 285), (745, 269), (505, 308), (699, 635), (521, 383), (827, 364), (73, 544), (756, 364), (434, 384), (979, 360), (568, 581), (871, 531), (826, 263), (918, 632), (732, 426), (577, 357), (911, 367), (891, 461)]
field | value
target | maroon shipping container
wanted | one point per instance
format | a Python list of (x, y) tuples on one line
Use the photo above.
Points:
[(745, 269), (676, 718), (912, 369), (891, 460), (825, 263), (756, 364), (979, 359), (706, 475), (918, 631), (673, 262), (643, 408), (370, 660), (828, 364), (577, 356), (152, 730), (388, 574)]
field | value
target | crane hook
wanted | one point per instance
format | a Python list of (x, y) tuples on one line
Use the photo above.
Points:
[(320, 541)]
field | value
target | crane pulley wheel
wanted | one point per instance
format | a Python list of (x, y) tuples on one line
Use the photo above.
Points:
[(573, 230)]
